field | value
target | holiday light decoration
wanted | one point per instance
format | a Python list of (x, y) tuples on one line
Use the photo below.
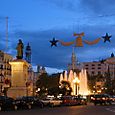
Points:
[(79, 41)]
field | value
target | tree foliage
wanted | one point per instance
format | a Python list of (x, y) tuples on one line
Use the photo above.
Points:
[(48, 84), (65, 88)]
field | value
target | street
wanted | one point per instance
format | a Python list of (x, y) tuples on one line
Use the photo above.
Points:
[(89, 109)]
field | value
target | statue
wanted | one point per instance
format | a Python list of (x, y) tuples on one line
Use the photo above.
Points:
[(19, 48)]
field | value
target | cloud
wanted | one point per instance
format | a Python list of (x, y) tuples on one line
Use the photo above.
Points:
[(86, 8), (99, 6), (65, 4)]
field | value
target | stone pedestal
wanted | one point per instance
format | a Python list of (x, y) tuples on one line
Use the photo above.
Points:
[(19, 77)]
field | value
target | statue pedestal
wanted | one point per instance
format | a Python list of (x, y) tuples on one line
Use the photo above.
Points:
[(19, 77)]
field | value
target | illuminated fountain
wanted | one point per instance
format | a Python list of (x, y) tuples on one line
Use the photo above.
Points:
[(77, 77), (83, 83), (78, 82)]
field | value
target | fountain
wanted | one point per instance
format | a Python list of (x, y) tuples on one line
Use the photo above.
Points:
[(77, 77), (78, 82)]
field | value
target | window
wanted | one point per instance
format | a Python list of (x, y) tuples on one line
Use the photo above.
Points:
[(99, 64), (93, 65), (86, 65), (92, 72)]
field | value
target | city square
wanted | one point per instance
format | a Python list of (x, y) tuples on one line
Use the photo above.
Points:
[(66, 61)]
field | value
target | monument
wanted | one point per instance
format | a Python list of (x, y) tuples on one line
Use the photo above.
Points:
[(19, 75)]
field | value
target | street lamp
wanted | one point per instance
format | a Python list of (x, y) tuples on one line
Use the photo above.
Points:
[(76, 81)]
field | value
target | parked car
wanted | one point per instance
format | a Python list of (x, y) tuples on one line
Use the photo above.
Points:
[(102, 99), (55, 102), (81, 100), (51, 102), (25, 102), (46, 102), (36, 101), (7, 103), (113, 98), (70, 100)]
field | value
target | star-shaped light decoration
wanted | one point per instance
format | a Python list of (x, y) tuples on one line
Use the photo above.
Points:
[(53, 42), (106, 37)]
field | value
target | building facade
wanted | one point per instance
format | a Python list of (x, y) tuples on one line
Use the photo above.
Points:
[(101, 67), (95, 68), (5, 70)]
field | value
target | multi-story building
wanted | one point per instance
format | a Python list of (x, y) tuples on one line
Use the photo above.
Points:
[(5, 70), (101, 67), (105, 69), (95, 68)]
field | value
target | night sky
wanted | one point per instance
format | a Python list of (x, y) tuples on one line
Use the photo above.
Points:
[(38, 21)]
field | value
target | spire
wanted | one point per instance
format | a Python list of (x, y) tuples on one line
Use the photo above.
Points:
[(28, 53), (73, 59), (112, 55)]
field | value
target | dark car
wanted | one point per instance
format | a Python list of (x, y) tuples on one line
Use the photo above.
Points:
[(36, 101), (28, 102), (7, 103), (69, 100), (102, 99), (81, 100), (113, 98)]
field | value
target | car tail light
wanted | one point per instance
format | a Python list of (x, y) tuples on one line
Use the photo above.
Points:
[(93, 98), (65, 101)]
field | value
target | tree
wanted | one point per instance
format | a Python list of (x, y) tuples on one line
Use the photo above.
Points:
[(108, 83), (91, 82), (42, 83), (54, 91), (47, 84), (65, 88)]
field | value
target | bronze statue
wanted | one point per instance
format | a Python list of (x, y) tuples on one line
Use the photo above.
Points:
[(19, 48)]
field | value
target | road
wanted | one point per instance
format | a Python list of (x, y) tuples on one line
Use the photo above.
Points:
[(89, 109)]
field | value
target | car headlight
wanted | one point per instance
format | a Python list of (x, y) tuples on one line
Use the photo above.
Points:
[(103, 98), (32, 102), (17, 101)]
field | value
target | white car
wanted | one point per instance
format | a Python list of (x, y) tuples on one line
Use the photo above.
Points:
[(51, 102)]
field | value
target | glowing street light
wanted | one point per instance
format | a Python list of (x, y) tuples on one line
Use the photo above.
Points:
[(76, 81)]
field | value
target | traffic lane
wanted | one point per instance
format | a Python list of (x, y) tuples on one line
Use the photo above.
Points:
[(68, 110)]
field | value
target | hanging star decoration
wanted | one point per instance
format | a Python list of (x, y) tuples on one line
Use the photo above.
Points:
[(53, 42), (79, 42), (106, 37)]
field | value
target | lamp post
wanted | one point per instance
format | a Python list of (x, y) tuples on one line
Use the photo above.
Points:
[(76, 82)]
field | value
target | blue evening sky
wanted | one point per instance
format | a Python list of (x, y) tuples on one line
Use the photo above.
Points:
[(38, 21)]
